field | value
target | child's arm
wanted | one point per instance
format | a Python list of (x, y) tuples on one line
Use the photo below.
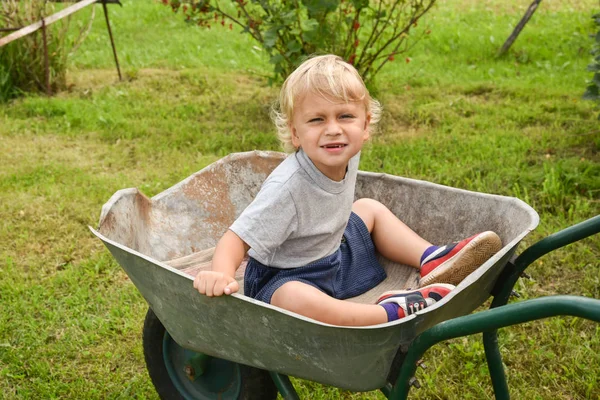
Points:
[(229, 254)]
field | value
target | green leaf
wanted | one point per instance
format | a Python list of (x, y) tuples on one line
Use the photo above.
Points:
[(381, 14), (289, 17), (320, 7), (360, 4), (276, 59), (311, 37), (593, 67), (270, 38), (310, 30), (293, 46), (278, 69), (310, 25), (592, 93)]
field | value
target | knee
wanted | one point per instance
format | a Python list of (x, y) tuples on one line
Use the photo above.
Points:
[(368, 210), (294, 296), (369, 204), (303, 299)]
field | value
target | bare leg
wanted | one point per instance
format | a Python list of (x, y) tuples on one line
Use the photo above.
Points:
[(307, 300), (392, 238)]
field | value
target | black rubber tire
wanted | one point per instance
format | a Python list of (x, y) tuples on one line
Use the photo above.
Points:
[(256, 384)]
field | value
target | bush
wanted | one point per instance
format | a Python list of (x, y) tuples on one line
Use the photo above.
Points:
[(22, 63), (593, 89), (366, 34)]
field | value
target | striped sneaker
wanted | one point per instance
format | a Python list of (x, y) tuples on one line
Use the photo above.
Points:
[(411, 301), (452, 263)]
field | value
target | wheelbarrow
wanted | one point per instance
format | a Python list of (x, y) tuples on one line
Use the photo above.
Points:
[(234, 347)]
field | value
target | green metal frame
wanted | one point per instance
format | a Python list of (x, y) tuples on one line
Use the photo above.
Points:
[(507, 281), (284, 385), (495, 318), (499, 315)]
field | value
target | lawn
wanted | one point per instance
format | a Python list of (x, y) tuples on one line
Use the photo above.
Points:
[(70, 320)]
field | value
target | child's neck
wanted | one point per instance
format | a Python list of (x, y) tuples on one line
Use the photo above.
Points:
[(337, 175)]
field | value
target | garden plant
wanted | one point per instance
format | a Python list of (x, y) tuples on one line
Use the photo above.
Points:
[(367, 34), (593, 90)]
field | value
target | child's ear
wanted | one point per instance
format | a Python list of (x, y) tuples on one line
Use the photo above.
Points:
[(367, 127), (295, 138)]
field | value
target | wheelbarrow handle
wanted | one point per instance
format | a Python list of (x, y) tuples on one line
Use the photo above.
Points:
[(506, 283), (557, 240), (572, 234), (492, 319)]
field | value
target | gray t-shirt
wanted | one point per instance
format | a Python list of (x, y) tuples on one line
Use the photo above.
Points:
[(299, 215)]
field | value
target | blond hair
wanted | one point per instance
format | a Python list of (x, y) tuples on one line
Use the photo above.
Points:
[(329, 76)]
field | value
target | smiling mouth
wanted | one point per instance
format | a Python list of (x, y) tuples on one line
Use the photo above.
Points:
[(333, 146)]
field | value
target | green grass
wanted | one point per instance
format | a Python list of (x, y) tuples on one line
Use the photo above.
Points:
[(70, 320)]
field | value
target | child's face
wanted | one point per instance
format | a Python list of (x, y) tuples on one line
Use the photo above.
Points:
[(329, 133)]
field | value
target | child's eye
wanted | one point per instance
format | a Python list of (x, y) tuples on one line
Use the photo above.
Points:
[(346, 116), (315, 120)]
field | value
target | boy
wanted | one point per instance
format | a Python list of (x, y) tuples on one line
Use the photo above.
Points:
[(310, 245)]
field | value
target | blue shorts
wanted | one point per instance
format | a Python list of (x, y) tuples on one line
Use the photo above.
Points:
[(352, 270)]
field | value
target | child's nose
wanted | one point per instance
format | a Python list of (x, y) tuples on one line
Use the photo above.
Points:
[(333, 128)]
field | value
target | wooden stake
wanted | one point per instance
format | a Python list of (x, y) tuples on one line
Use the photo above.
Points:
[(46, 60), (112, 42), (513, 36)]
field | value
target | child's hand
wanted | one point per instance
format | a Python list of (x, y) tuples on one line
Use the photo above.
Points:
[(212, 283)]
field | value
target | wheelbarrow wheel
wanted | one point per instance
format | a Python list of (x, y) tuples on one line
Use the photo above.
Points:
[(178, 373)]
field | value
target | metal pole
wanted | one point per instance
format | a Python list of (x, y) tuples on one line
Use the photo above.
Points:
[(112, 42), (46, 61), (284, 385)]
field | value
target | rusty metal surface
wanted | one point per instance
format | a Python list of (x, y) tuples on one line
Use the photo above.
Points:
[(143, 234)]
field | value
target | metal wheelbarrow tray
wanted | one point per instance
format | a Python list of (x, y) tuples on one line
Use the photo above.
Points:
[(148, 236)]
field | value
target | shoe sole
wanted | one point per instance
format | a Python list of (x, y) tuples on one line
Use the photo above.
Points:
[(467, 260), (392, 292)]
